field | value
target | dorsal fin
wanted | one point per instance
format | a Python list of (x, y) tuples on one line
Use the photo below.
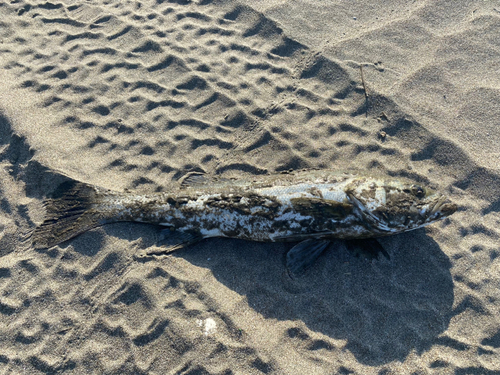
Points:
[(194, 178)]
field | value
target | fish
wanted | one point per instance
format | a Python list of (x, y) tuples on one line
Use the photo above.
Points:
[(311, 207)]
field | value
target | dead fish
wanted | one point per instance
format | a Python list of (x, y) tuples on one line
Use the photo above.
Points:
[(313, 207)]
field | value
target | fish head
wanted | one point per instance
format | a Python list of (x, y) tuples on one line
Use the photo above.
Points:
[(395, 206)]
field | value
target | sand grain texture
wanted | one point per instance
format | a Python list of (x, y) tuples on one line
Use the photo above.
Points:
[(132, 95)]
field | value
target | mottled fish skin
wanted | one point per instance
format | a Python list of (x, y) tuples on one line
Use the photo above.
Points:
[(308, 206), (285, 207)]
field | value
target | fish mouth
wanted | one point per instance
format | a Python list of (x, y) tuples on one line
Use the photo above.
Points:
[(439, 208)]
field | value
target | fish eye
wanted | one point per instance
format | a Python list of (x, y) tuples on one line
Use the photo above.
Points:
[(418, 191)]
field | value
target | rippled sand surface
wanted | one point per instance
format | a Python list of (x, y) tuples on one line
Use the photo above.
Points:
[(132, 95)]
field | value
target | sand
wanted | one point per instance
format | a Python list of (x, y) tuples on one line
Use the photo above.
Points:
[(132, 95)]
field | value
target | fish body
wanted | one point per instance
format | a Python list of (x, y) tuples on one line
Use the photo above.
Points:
[(309, 206)]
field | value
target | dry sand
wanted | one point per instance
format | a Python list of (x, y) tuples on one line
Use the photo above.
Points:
[(131, 95)]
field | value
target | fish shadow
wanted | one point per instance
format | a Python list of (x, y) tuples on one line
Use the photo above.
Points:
[(382, 308)]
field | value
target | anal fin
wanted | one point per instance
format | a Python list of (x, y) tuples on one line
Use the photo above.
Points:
[(172, 240), (368, 248)]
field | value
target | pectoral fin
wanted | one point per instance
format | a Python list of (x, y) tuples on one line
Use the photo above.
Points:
[(172, 240), (303, 255)]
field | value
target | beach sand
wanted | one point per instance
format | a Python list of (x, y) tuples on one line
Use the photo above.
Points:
[(132, 95)]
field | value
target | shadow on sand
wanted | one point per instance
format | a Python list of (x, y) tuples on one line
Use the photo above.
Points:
[(383, 308)]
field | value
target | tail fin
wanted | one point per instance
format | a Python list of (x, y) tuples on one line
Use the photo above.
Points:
[(69, 213)]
